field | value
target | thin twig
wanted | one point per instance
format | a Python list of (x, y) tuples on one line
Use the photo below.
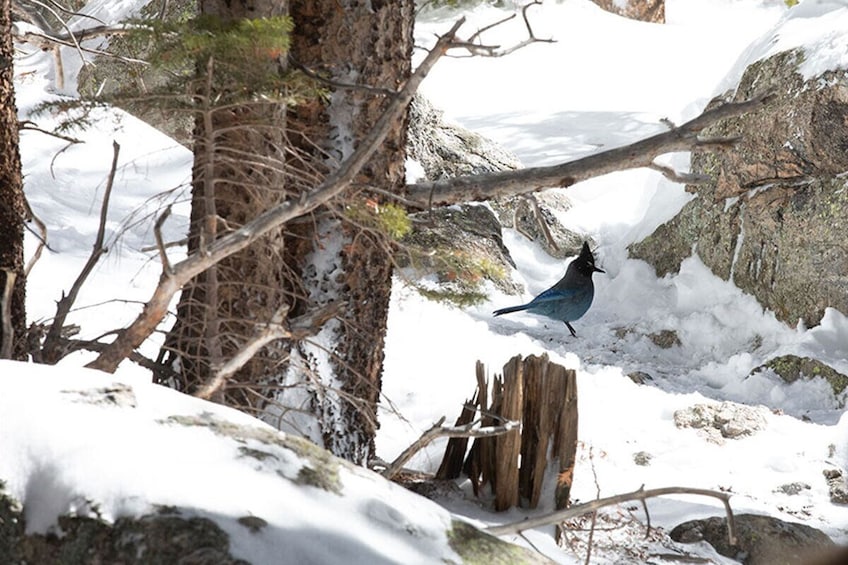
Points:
[(28, 125), (52, 345), (300, 328), (437, 431), (160, 244), (540, 220), (41, 236), (338, 84), (478, 49), (641, 494), (677, 176)]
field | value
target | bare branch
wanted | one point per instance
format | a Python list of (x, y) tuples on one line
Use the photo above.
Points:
[(27, 125), (7, 346), (640, 154), (160, 244), (301, 327), (478, 49), (170, 283), (641, 494), (677, 176), (46, 40), (439, 431), (52, 346), (41, 235)]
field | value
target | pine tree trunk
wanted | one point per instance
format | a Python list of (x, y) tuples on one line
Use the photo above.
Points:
[(367, 44), (12, 207), (325, 387), (239, 171)]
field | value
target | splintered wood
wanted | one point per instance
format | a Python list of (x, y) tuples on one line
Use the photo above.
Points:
[(543, 397)]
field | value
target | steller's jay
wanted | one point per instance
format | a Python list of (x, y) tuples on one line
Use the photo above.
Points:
[(568, 299)]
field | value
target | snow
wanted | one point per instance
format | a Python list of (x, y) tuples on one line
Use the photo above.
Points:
[(606, 81)]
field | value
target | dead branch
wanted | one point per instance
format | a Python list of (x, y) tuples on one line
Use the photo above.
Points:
[(170, 283), (437, 431), (677, 176), (69, 345), (641, 494), (52, 347), (476, 49), (7, 346), (27, 125), (160, 243), (300, 328), (640, 154), (41, 236)]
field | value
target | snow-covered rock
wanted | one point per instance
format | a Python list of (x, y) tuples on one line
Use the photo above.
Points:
[(130, 472)]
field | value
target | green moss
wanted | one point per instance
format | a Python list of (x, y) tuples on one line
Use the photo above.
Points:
[(389, 219), (476, 547), (321, 468), (790, 368)]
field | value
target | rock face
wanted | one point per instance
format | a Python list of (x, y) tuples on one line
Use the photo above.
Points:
[(645, 10), (773, 217), (461, 245), (762, 540), (446, 150), (791, 368)]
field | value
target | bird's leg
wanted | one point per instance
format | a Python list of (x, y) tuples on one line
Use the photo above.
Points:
[(573, 333)]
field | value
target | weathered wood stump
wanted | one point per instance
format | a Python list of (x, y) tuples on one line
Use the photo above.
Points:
[(543, 397)]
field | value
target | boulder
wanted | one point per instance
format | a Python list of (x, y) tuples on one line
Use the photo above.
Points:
[(137, 474), (791, 368), (718, 422), (445, 150), (457, 248), (773, 217), (762, 540), (645, 10)]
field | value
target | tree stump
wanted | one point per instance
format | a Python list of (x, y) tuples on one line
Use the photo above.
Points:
[(543, 397)]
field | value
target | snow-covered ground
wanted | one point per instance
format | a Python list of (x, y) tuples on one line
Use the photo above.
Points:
[(606, 81)]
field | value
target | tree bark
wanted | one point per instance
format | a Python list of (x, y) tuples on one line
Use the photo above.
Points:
[(367, 44), (12, 205), (250, 159), (238, 172)]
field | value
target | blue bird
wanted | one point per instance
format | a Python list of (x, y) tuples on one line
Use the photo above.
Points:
[(568, 299)]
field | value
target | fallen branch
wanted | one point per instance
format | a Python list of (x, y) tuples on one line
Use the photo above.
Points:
[(640, 154), (641, 494), (439, 431), (171, 282)]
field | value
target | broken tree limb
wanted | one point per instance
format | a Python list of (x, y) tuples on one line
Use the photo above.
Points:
[(300, 328), (641, 494), (437, 430), (170, 283), (640, 154)]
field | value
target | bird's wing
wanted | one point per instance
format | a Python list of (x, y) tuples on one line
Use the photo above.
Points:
[(553, 294)]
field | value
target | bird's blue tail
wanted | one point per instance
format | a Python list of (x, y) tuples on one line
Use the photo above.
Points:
[(510, 309)]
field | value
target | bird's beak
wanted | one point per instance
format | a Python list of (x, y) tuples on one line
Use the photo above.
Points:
[(597, 270)]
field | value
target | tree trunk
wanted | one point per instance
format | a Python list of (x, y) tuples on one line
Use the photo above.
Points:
[(326, 387), (238, 172), (12, 207), (367, 44)]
